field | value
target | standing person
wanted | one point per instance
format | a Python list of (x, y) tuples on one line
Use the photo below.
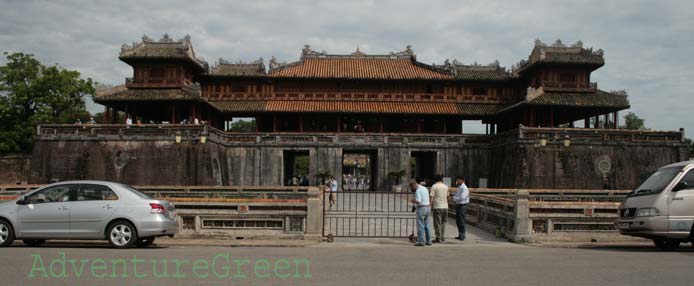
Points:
[(439, 199), (332, 184), (461, 198), (421, 201), (304, 181)]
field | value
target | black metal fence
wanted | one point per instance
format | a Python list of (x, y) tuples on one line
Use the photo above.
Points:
[(368, 214)]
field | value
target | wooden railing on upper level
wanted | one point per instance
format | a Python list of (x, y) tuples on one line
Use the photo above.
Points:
[(569, 86), (357, 96)]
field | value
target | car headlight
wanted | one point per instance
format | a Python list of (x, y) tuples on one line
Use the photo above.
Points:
[(648, 212)]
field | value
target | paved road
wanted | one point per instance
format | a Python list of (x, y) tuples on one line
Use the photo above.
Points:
[(345, 263)]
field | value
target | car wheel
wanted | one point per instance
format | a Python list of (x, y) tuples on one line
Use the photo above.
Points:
[(34, 242), (122, 234), (145, 242), (666, 244), (6, 233)]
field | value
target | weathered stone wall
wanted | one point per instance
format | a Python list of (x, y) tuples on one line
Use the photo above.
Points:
[(14, 169), (524, 158), (164, 162), (580, 165)]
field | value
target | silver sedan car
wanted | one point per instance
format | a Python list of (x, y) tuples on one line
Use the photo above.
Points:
[(91, 210)]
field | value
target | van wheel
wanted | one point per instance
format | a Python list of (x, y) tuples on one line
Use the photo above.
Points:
[(34, 242), (6, 233), (122, 234), (666, 244)]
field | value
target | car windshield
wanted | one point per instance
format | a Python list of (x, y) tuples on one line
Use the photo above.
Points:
[(135, 191), (657, 182)]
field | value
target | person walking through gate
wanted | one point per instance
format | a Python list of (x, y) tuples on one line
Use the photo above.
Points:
[(332, 185), (421, 201), (461, 198), (439, 199)]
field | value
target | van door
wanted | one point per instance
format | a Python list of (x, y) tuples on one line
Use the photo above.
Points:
[(681, 206)]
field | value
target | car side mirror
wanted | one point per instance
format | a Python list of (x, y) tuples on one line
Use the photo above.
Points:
[(680, 186), (22, 201)]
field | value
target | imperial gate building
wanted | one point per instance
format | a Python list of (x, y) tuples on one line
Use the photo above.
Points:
[(371, 121)]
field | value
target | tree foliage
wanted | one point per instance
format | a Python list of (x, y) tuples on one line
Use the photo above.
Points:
[(32, 93), (633, 122), (243, 126)]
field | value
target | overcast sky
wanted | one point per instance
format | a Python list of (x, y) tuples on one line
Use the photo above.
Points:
[(648, 44)]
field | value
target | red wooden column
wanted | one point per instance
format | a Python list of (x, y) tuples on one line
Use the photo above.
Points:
[(380, 124), (339, 124), (107, 116), (301, 124), (274, 123), (606, 119), (419, 126), (586, 122), (173, 113), (551, 118), (444, 125)]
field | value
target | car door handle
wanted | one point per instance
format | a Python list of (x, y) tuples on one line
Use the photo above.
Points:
[(108, 207), (64, 208), (677, 199)]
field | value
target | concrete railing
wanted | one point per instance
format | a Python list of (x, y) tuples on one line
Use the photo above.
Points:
[(522, 215), (293, 212)]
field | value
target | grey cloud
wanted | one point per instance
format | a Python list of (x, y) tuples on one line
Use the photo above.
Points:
[(647, 43)]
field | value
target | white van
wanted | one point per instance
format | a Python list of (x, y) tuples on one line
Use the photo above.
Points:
[(662, 208)]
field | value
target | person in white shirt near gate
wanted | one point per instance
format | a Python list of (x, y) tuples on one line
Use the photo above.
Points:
[(461, 198), (439, 204), (421, 201)]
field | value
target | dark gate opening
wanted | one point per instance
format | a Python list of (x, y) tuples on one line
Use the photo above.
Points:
[(296, 167), (423, 166), (358, 170)]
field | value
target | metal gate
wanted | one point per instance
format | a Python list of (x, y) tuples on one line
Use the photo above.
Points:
[(368, 214)]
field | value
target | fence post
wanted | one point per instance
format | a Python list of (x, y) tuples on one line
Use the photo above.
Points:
[(314, 215), (521, 217)]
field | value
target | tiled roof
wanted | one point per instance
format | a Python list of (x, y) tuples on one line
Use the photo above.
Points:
[(224, 68), (359, 68), (558, 53), (166, 48), (358, 65), (598, 99), (121, 93), (357, 107), (491, 72)]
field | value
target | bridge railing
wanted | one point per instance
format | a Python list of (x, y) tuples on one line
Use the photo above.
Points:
[(523, 215), (238, 211)]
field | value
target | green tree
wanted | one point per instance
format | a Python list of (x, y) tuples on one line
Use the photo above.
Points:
[(243, 126), (690, 144), (633, 122), (31, 94)]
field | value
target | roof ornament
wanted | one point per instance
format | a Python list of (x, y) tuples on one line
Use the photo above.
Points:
[(276, 64), (307, 51), (185, 39), (146, 39), (578, 44), (539, 43), (558, 44), (165, 39), (358, 53)]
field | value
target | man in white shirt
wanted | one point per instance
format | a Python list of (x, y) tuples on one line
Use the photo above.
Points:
[(439, 200), (332, 185), (461, 198), (421, 201)]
